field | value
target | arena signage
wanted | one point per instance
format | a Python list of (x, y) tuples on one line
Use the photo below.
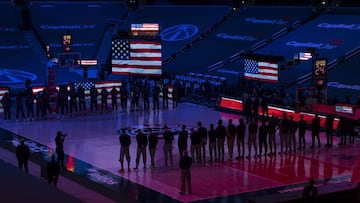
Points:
[(231, 72), (311, 44), (343, 86), (33, 146), (236, 37), (7, 29), (266, 21), (74, 45), (339, 26), (64, 27), (100, 177), (179, 32), (14, 47)]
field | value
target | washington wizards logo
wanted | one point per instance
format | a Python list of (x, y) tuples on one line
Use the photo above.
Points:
[(158, 129)]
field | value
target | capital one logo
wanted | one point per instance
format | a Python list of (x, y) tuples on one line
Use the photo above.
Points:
[(311, 44), (343, 86), (179, 32), (266, 21), (339, 26), (70, 27)]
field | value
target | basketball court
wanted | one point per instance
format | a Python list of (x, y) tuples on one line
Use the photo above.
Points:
[(92, 149)]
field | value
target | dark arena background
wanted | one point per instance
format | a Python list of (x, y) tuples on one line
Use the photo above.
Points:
[(91, 69)]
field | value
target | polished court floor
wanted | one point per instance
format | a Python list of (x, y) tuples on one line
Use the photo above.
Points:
[(93, 138)]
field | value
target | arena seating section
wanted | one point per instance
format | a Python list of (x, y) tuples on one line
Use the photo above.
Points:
[(214, 47), (221, 36), (344, 74), (203, 17), (47, 19), (333, 43), (13, 45)]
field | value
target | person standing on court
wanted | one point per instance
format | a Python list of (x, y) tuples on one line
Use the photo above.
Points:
[(125, 142), (240, 141), (175, 96), (104, 96), (53, 170), (284, 131), (59, 141), (155, 95), (329, 127), (185, 165), (153, 141), (114, 104), (220, 134), (302, 130), (203, 136), (93, 98), (165, 96), (124, 96), (6, 103), (253, 128), (142, 142), (292, 131), (168, 139), (315, 130), (231, 134), (81, 96), (73, 103), (22, 155), (146, 95), (272, 135), (343, 130), (182, 140), (263, 131), (19, 105), (195, 145), (212, 142)]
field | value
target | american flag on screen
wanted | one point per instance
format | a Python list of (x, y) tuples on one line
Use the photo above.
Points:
[(261, 70), (136, 57), (145, 26), (304, 56)]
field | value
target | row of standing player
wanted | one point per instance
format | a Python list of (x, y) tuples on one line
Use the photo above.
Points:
[(73, 101), (286, 128)]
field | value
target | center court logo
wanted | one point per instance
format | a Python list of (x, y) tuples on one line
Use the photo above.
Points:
[(158, 129), (179, 32)]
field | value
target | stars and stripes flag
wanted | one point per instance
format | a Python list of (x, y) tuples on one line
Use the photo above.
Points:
[(304, 56), (86, 85), (136, 57), (261, 70), (145, 29)]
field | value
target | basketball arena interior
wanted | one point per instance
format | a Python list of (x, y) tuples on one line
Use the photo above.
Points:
[(211, 57)]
